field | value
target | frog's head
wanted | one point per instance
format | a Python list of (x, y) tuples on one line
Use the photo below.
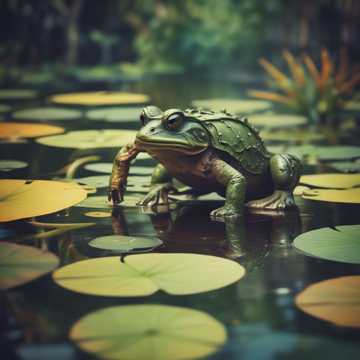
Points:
[(171, 130)]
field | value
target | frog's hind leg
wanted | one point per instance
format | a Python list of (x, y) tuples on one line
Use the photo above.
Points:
[(285, 172)]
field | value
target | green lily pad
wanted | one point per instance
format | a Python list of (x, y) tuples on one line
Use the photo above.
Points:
[(47, 114), (124, 244), (102, 181), (115, 114), (346, 166), (21, 264), (292, 135), (17, 94), (106, 168), (353, 106), (233, 105), (326, 153), (90, 139), (4, 108), (8, 165), (277, 120), (101, 202), (145, 274), (339, 244), (150, 331)]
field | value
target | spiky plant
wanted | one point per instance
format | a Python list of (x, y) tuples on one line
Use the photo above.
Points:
[(320, 94)]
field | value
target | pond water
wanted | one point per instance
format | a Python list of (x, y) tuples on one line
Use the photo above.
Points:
[(258, 312)]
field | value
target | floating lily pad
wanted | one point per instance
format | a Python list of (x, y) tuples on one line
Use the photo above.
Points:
[(47, 114), (150, 331), (145, 274), (336, 301), (98, 214), (21, 264), (13, 130), (17, 94), (90, 139), (106, 168), (339, 244), (4, 108), (100, 181), (21, 199), (353, 106), (125, 244), (101, 202), (292, 135), (233, 105), (326, 153), (346, 166), (8, 165), (100, 98), (115, 114), (277, 120), (331, 181), (347, 196)]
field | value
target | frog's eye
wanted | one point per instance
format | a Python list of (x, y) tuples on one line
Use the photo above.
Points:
[(174, 121)]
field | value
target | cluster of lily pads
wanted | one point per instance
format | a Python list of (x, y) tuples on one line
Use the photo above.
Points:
[(188, 332)]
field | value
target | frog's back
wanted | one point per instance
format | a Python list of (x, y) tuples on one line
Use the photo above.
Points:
[(236, 137)]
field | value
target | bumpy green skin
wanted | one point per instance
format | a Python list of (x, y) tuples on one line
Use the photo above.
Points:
[(209, 151)]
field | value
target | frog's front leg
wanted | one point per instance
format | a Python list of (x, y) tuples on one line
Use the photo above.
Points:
[(120, 172), (161, 185), (285, 172), (235, 184)]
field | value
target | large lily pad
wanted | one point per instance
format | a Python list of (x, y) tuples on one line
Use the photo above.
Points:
[(21, 199), (150, 331), (90, 139), (292, 135), (47, 114), (145, 274), (21, 264), (336, 300), (115, 114), (277, 120), (13, 130), (346, 196), (339, 244), (8, 165), (100, 98), (326, 153), (101, 202), (17, 94), (233, 105), (106, 168), (346, 166), (331, 181), (124, 244)]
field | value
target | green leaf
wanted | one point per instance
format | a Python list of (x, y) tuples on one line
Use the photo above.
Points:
[(124, 244), (233, 105), (20, 264), (339, 244), (150, 331), (8, 165), (115, 114), (47, 114), (145, 274)]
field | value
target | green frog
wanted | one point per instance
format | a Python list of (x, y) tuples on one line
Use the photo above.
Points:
[(210, 152)]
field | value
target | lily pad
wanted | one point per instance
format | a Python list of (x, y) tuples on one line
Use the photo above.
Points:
[(8, 165), (102, 181), (4, 108), (346, 166), (145, 274), (90, 139), (13, 130), (339, 244), (335, 300), (98, 214), (150, 331), (326, 153), (346, 196), (277, 120), (331, 181), (115, 114), (21, 264), (233, 105), (21, 199), (100, 98), (17, 94), (101, 202), (106, 168), (125, 244), (292, 135), (353, 106), (47, 114)]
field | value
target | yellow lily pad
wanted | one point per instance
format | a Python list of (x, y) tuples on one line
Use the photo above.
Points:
[(13, 130), (335, 300), (21, 199), (47, 114), (331, 181), (90, 139), (346, 196), (115, 114), (21, 264), (149, 331), (145, 274), (100, 98), (277, 120), (235, 106)]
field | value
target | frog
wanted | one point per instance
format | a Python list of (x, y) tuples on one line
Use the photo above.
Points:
[(209, 151)]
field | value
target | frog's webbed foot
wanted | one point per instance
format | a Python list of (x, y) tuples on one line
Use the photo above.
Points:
[(158, 195), (279, 200)]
